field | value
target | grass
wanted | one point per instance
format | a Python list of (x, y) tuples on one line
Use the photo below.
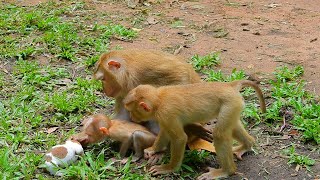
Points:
[(44, 29), (35, 96), (287, 92), (207, 61), (47, 53), (297, 159)]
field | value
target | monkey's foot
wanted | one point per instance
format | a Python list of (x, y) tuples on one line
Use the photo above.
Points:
[(155, 158), (213, 174), (124, 161), (149, 152), (239, 151), (134, 159), (161, 169)]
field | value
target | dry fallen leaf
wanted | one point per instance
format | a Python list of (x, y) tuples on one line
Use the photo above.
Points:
[(151, 20), (132, 3), (136, 29), (51, 130), (4, 69), (177, 51), (294, 132), (285, 136), (273, 5), (251, 66)]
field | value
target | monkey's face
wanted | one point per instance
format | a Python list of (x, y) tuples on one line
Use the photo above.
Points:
[(91, 132), (140, 115), (105, 73), (139, 108), (88, 136)]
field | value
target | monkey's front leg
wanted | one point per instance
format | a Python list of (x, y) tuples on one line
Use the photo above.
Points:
[(177, 148), (159, 145), (153, 153), (120, 111)]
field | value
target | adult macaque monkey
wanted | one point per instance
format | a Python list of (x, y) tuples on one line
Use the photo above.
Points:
[(122, 70), (173, 107), (98, 127)]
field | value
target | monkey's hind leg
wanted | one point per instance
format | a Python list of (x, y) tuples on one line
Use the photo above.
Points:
[(124, 148), (141, 140), (246, 141), (222, 138)]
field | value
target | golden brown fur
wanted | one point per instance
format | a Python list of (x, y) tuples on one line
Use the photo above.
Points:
[(176, 106), (122, 70), (131, 135), (143, 67)]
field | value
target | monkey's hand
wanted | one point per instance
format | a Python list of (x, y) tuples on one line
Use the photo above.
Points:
[(198, 130), (152, 156), (150, 151), (155, 158), (161, 169)]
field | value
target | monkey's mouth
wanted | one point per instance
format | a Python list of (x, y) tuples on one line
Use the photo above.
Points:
[(131, 117), (109, 92)]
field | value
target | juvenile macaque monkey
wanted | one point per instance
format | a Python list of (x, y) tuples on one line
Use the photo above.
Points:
[(122, 70), (175, 106), (131, 135)]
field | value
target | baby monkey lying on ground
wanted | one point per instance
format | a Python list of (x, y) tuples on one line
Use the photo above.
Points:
[(173, 107), (131, 135)]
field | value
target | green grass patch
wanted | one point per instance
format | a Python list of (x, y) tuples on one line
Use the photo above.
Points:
[(55, 28), (297, 159), (49, 48), (207, 61), (288, 92)]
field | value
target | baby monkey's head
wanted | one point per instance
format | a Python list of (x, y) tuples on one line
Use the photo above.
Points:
[(94, 129)]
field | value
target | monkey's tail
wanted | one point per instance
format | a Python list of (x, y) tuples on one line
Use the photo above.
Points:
[(247, 83)]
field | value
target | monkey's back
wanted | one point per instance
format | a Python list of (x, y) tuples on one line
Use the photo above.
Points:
[(156, 67), (122, 130), (198, 101)]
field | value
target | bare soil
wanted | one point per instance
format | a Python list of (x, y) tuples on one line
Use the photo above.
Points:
[(256, 36)]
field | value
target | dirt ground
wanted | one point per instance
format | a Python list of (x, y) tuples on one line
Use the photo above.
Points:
[(256, 36)]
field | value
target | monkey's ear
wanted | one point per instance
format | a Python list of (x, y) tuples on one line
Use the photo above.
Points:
[(104, 131), (113, 63), (145, 106)]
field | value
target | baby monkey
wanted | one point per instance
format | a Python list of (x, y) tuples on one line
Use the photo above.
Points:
[(98, 127), (173, 107)]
